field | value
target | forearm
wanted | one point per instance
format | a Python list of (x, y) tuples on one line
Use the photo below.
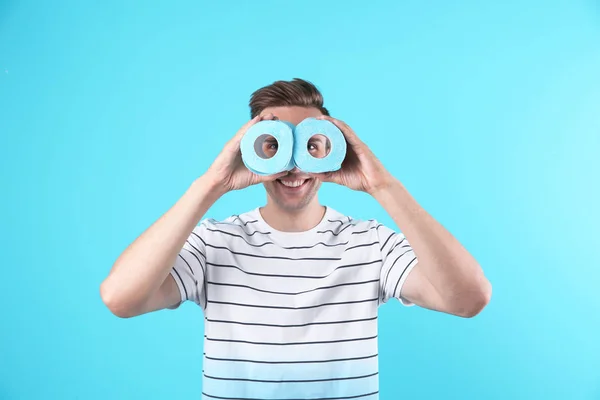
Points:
[(451, 269), (141, 269)]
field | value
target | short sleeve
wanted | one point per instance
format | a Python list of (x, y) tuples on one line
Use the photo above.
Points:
[(189, 270), (398, 260)]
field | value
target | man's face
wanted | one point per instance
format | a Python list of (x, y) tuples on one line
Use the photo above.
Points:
[(296, 190)]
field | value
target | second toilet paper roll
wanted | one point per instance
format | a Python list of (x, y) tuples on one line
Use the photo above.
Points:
[(332, 160)]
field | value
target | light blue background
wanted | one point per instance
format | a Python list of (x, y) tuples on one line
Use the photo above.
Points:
[(488, 113)]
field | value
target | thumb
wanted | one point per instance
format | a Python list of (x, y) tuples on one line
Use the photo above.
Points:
[(331, 176), (269, 178)]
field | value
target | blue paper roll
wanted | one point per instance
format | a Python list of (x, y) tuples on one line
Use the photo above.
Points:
[(251, 147), (304, 160)]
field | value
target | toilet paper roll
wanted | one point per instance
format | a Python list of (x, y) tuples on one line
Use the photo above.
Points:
[(253, 155), (304, 160)]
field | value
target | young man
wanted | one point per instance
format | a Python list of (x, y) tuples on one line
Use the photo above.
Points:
[(290, 291)]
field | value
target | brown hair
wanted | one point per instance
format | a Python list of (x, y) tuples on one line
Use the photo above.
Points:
[(296, 92)]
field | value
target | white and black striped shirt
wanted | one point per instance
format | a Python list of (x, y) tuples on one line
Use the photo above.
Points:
[(292, 315)]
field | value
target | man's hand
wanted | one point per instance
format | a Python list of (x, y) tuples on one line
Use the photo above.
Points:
[(361, 170), (228, 171)]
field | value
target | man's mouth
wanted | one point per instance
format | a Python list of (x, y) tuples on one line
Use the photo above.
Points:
[(292, 183)]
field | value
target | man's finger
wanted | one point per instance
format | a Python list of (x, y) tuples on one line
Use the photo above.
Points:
[(247, 126), (234, 143), (349, 134), (332, 177), (268, 117)]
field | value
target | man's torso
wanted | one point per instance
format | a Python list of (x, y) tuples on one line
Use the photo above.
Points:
[(291, 316)]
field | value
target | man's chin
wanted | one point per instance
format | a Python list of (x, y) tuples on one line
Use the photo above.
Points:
[(293, 206)]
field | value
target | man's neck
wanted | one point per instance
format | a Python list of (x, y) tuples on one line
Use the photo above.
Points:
[(296, 221)]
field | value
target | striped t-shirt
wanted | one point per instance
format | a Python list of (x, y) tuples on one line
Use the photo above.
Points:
[(291, 315)]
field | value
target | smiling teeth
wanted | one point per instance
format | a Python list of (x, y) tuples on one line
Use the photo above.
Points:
[(293, 183)]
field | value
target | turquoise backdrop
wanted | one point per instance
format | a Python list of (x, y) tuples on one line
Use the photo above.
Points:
[(488, 112)]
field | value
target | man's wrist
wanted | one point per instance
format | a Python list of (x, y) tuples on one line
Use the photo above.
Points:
[(383, 189), (398, 202), (392, 194), (207, 189)]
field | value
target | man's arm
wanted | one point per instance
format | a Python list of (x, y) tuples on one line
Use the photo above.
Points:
[(447, 278), (140, 280)]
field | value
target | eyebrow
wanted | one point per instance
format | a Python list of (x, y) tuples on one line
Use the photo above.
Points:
[(317, 139)]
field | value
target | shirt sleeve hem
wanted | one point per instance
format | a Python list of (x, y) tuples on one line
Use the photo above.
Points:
[(179, 287), (403, 300)]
